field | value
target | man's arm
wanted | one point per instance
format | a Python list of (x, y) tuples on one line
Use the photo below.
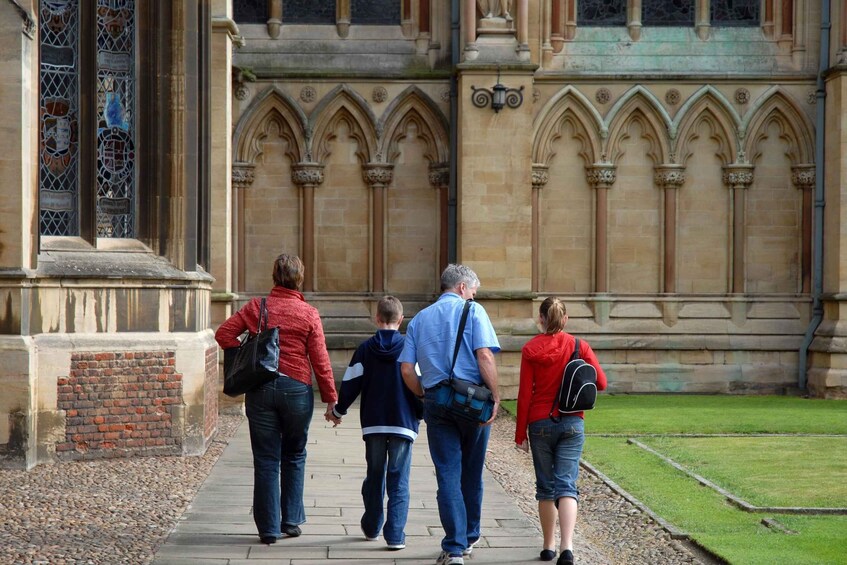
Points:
[(410, 377), (488, 372)]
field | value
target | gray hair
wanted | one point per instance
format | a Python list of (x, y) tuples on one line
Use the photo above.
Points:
[(455, 274)]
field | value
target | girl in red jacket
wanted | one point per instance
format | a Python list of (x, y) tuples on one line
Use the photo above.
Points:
[(556, 446)]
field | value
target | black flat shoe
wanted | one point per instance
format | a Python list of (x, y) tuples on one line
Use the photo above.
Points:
[(268, 539), (566, 558), (292, 531), (548, 555)]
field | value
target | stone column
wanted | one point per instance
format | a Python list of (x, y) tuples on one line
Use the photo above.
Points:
[(540, 176), (557, 25), (308, 176), (703, 19), (342, 17), (424, 31), (738, 177), (242, 178), (471, 51), (633, 20), (803, 179), (274, 18), (601, 177), (767, 19), (378, 176), (523, 30), (570, 21), (547, 8), (669, 178), (439, 179)]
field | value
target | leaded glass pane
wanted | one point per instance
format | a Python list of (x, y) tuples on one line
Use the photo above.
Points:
[(308, 11), (667, 12), (375, 12), (58, 163), (601, 12), (115, 118), (250, 11), (735, 12)]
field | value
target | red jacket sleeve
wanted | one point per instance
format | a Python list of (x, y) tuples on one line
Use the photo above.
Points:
[(587, 354), (319, 359), (237, 324), (527, 381)]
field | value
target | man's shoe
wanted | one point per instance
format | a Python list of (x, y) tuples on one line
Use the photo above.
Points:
[(268, 540), (447, 559), (468, 550), (547, 555), (396, 546), (291, 531), (367, 537), (566, 558)]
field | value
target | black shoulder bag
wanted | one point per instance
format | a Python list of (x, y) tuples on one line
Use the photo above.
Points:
[(254, 362)]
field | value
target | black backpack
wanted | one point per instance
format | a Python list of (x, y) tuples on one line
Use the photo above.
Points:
[(578, 391)]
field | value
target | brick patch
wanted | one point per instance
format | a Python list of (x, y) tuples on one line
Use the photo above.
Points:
[(119, 403), (211, 392)]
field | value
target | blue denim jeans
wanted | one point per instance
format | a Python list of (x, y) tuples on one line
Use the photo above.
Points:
[(279, 414), (457, 447), (556, 449), (389, 459)]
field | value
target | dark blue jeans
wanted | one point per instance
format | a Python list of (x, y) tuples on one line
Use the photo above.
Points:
[(279, 414), (389, 459), (457, 447)]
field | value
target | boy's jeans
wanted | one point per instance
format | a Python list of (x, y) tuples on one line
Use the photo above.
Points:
[(389, 459), (457, 447), (279, 414)]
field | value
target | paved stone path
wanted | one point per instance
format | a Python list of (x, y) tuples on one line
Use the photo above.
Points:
[(218, 528)]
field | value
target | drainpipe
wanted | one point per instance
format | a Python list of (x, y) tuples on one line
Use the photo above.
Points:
[(452, 190), (817, 259)]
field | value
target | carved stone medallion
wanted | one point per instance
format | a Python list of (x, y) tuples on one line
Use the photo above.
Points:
[(379, 94), (308, 94), (672, 96), (742, 96), (603, 95)]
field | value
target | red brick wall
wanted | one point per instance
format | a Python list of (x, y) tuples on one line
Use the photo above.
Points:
[(211, 392), (120, 403)]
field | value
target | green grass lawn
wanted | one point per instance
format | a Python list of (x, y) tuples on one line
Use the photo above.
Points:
[(794, 470)]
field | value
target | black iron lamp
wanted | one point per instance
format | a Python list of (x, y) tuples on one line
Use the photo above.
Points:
[(498, 96)]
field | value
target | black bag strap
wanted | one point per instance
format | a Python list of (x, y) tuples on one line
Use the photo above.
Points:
[(462, 322), (574, 356), (263, 316)]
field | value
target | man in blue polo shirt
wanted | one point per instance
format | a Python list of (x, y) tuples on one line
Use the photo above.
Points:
[(457, 446)]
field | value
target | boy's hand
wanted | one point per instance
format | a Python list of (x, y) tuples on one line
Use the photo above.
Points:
[(329, 416)]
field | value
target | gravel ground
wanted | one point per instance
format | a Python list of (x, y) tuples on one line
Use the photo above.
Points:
[(609, 530), (120, 510), (106, 511)]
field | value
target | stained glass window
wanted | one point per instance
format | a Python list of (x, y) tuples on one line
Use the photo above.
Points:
[(250, 11), (601, 12), (735, 12), (667, 12), (115, 118), (375, 12), (308, 11), (58, 129)]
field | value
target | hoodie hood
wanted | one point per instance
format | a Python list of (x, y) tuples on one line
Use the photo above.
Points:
[(386, 344), (546, 349)]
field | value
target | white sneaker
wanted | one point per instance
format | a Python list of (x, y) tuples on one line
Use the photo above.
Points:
[(400, 545), (468, 550), (447, 559), (369, 538)]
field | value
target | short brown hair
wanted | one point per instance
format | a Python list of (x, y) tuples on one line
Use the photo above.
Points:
[(389, 310), (288, 271), (554, 311)]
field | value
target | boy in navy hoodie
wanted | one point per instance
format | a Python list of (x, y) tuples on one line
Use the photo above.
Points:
[(389, 415)]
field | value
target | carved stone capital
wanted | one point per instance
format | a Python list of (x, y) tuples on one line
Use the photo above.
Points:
[(669, 176), (803, 176), (243, 174), (307, 174), (439, 175), (540, 176), (738, 175), (377, 175), (601, 175)]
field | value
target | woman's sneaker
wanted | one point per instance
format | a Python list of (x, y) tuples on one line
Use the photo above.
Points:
[(447, 559)]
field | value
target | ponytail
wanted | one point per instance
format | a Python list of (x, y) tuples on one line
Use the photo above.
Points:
[(554, 312)]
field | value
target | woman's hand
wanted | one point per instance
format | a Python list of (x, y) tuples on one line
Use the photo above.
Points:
[(523, 446), (329, 416)]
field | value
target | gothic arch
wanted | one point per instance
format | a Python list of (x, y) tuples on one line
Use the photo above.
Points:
[(654, 128), (271, 107), (794, 126), (568, 106), (723, 126), (413, 106), (647, 100), (343, 105)]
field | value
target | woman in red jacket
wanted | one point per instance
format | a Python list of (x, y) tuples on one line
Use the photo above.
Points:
[(556, 446), (279, 412)]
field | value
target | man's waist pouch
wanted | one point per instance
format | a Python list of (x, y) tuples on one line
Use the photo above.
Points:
[(465, 399)]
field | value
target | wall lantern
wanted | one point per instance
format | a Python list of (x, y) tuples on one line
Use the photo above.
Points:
[(498, 96)]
